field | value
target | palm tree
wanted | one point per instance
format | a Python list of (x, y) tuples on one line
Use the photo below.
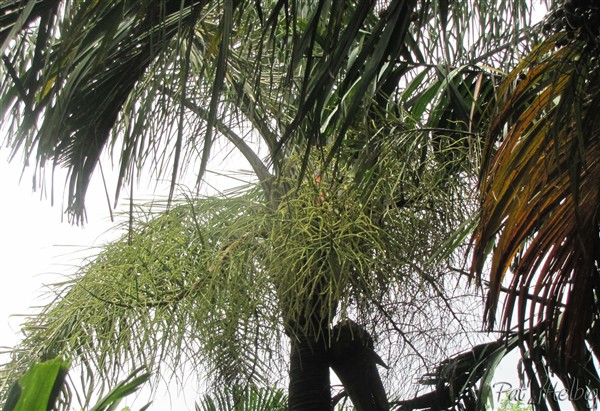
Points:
[(369, 114)]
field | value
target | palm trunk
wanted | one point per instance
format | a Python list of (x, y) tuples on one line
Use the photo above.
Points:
[(354, 360), (309, 388)]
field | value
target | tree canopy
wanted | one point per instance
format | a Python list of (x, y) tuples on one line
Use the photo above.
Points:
[(381, 134)]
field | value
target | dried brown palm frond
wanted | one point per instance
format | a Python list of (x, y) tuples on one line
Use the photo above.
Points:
[(540, 200)]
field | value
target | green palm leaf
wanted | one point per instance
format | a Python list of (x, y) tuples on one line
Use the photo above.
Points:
[(89, 76), (265, 399)]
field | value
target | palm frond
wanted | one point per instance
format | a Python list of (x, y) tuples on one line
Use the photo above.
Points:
[(159, 294), (83, 77), (462, 382), (540, 196), (80, 81), (239, 399)]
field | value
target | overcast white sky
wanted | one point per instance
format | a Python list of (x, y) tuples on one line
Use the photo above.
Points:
[(35, 245)]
